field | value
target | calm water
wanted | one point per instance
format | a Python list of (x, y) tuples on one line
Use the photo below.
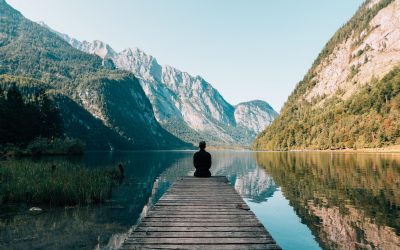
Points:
[(305, 200)]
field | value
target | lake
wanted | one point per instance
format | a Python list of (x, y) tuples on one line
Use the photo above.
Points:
[(306, 200)]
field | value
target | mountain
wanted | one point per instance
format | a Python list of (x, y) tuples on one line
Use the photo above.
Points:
[(104, 107), (185, 105), (350, 98), (254, 115)]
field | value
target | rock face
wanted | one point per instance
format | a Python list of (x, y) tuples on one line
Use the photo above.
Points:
[(254, 115), (104, 107), (353, 83), (187, 106), (362, 57)]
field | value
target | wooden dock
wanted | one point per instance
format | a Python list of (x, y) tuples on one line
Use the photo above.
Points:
[(200, 213)]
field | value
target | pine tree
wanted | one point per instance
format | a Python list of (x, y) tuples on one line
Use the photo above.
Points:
[(51, 125)]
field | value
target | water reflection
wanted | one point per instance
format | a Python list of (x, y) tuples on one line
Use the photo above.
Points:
[(306, 200), (239, 167), (349, 201), (86, 227)]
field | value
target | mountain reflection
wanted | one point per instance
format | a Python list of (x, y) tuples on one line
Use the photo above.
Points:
[(349, 201), (239, 167)]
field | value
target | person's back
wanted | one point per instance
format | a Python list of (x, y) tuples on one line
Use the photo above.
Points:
[(202, 161)]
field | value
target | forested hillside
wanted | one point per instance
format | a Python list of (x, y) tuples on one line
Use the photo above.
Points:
[(350, 98), (105, 108)]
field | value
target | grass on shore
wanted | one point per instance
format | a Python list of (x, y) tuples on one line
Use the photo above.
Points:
[(62, 184), (44, 146)]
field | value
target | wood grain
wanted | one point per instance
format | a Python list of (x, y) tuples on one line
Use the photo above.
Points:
[(200, 213)]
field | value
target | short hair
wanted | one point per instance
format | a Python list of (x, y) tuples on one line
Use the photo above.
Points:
[(202, 145)]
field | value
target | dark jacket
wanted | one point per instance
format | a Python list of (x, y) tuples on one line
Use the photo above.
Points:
[(202, 163)]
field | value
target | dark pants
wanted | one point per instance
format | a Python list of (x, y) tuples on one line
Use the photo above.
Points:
[(202, 173)]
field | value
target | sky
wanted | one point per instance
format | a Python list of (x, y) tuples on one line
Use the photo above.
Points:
[(247, 49)]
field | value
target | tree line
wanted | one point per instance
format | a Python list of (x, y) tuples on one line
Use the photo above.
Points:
[(24, 119), (369, 119)]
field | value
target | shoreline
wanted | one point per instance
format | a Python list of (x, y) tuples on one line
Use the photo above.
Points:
[(388, 149)]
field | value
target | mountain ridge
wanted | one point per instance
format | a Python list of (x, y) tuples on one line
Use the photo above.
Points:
[(350, 96), (91, 96), (187, 106)]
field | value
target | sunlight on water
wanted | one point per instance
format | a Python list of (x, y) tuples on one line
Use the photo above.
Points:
[(305, 200)]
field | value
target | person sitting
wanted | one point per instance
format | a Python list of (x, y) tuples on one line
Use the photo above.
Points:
[(202, 161)]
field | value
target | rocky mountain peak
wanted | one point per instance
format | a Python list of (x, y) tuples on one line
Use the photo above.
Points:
[(99, 48), (141, 64), (187, 106)]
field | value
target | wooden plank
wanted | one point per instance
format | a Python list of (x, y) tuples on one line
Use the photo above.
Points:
[(202, 216), (207, 197), (201, 187), (199, 202), (208, 194), (200, 213), (190, 241), (190, 195), (200, 229), (169, 210), (209, 211), (194, 195), (202, 220), (204, 206), (200, 191), (210, 201), (185, 234), (193, 198), (202, 247), (200, 224), (216, 200)]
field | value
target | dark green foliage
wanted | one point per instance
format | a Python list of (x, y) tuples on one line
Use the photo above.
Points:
[(369, 118), (65, 184), (21, 120), (22, 50), (55, 146), (49, 115)]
